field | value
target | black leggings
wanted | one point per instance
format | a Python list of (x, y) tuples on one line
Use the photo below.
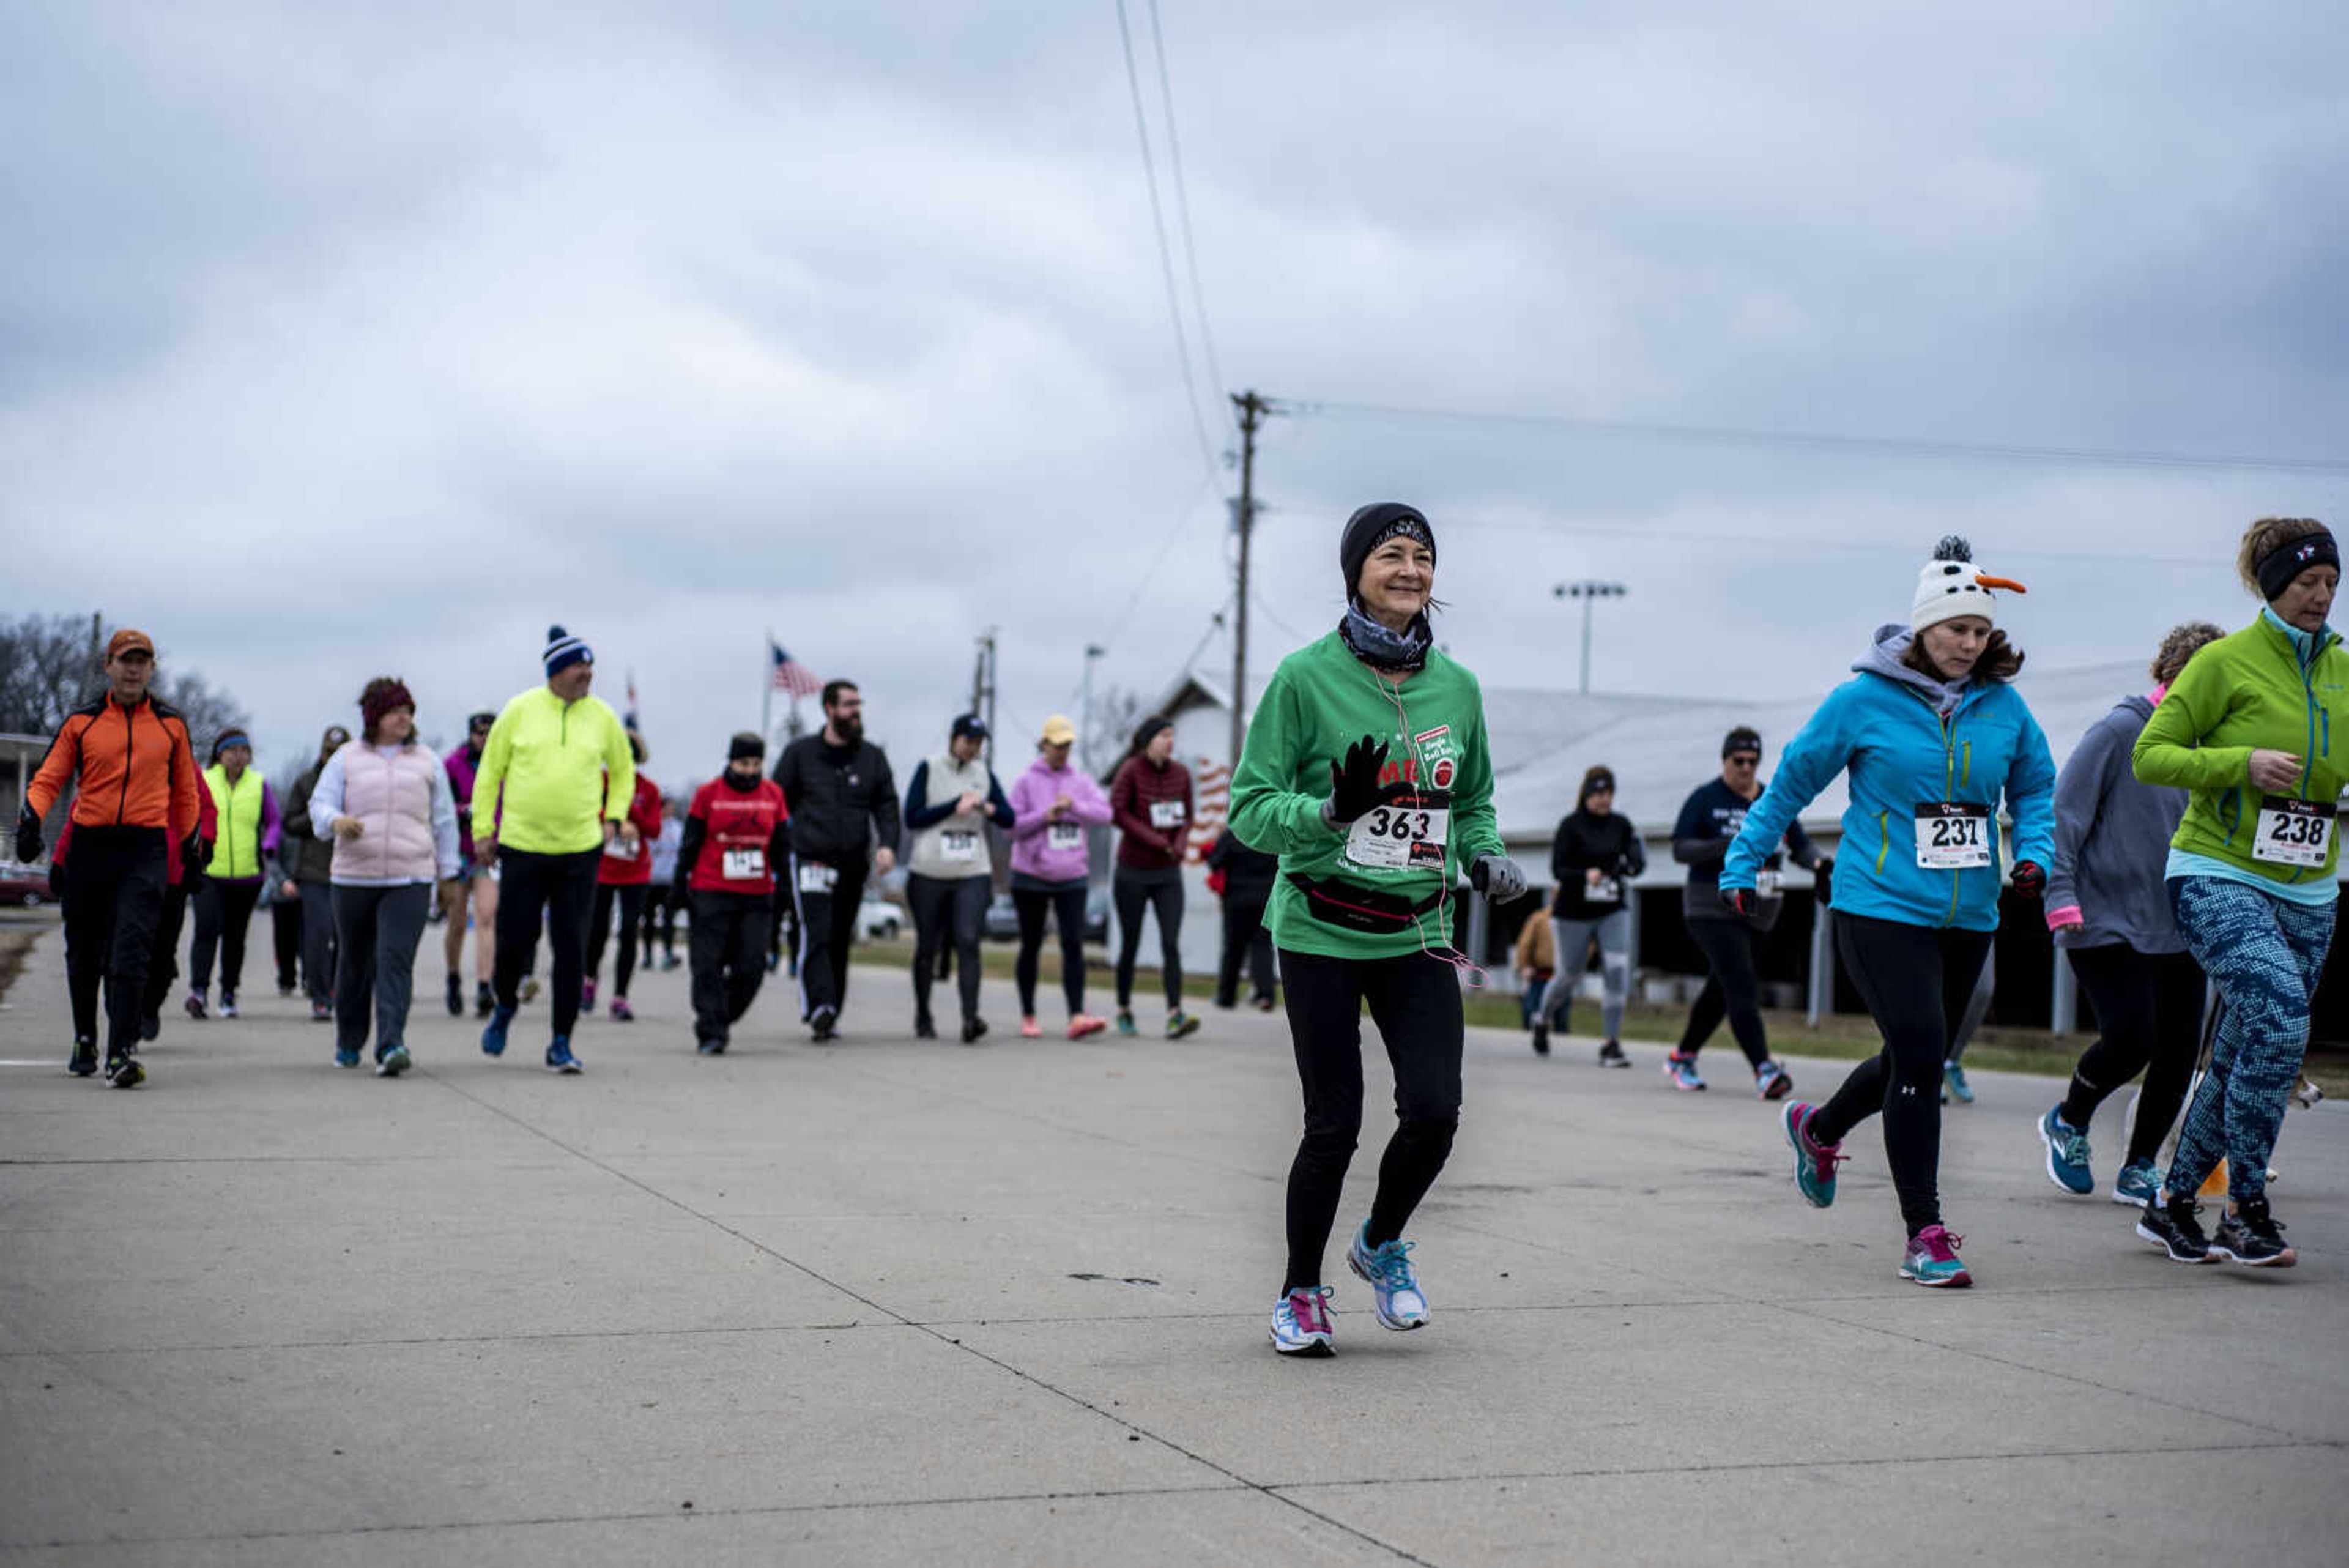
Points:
[(660, 919), (224, 911), (1163, 893), (631, 901), (2148, 1020), (1415, 1000), (1066, 902), (947, 914), (560, 890), (1916, 980), (1733, 986)]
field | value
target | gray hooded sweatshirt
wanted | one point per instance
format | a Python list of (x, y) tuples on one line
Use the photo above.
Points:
[(2112, 842)]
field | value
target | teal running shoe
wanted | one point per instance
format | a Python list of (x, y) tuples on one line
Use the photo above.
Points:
[(393, 1063), (1814, 1162), (2067, 1153), (2138, 1184), (344, 1058), (1954, 1085), (1387, 1269), (1682, 1071), (1933, 1258)]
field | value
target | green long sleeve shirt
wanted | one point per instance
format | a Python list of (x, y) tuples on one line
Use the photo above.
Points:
[(1320, 701), (552, 772)]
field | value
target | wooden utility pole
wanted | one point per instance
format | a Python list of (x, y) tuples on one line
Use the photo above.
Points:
[(982, 689), (1253, 410)]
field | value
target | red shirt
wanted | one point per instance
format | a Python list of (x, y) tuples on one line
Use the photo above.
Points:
[(740, 828), (622, 867)]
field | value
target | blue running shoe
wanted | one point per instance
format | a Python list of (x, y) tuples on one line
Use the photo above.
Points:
[(1954, 1085), (1301, 1323), (1387, 1269), (1933, 1258), (393, 1063), (559, 1058), (493, 1034), (1682, 1071), (2067, 1153), (1815, 1163), (2139, 1184), (345, 1058), (1771, 1082)]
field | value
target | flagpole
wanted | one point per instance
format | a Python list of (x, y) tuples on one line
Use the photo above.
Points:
[(766, 694)]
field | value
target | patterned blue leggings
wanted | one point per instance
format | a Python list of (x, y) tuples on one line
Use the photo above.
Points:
[(2264, 955)]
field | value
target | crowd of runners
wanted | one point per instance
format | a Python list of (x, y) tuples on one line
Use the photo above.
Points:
[(2187, 845)]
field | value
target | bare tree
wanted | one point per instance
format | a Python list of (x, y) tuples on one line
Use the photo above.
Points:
[(1118, 711)]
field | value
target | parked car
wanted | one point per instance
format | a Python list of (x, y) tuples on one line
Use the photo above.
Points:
[(878, 920), (1002, 924), (24, 886)]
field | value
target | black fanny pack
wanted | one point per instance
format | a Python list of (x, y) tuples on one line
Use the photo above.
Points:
[(1358, 908)]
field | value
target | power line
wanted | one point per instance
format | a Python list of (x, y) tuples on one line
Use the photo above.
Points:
[(1165, 254), (1854, 446), (1182, 203), (1182, 520), (1782, 542)]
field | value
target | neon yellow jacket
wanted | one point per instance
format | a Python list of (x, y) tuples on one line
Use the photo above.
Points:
[(552, 772)]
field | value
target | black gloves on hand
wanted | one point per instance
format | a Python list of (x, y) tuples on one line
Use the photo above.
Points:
[(196, 851), (2029, 878), (1354, 783), (1498, 878), (1739, 901), (28, 835)]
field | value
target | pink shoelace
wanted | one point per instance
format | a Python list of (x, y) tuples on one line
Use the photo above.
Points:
[(1938, 1244)]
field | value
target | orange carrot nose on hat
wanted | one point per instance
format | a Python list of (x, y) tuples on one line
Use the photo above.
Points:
[(1951, 586), (123, 641)]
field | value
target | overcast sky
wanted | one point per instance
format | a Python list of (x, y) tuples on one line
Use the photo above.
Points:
[(337, 341)]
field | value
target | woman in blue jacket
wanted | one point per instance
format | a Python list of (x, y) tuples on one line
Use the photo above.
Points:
[(1932, 735)]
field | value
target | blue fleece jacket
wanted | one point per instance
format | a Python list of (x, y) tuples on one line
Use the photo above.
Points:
[(1886, 727)]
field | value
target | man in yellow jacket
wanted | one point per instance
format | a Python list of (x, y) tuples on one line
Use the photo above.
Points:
[(551, 790)]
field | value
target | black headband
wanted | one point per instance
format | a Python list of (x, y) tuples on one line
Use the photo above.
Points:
[(2286, 561)]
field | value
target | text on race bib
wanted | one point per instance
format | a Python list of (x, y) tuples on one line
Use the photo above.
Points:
[(2294, 832), (1953, 834), (621, 849), (959, 847), (744, 865), (816, 878), (1607, 891), (1064, 835), (1400, 836), (1767, 881), (1166, 813)]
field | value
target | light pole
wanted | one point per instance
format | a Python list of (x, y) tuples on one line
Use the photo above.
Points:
[(1085, 707), (1588, 590)]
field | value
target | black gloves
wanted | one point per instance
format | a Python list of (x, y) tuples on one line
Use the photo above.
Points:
[(196, 851), (1354, 783), (2029, 878), (1498, 878), (28, 835), (1740, 901)]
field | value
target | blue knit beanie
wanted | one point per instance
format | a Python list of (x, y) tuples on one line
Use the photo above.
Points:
[(564, 650)]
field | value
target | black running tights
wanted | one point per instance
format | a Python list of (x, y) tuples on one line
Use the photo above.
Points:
[(1162, 893), (1065, 903), (2148, 1012), (1733, 986)]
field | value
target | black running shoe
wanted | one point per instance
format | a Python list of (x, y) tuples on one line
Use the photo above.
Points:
[(456, 997), (124, 1072), (2172, 1227), (1541, 1039), (2252, 1235), (972, 1030), (1610, 1055), (150, 1026), (924, 1029), (822, 1020), (486, 1000), (83, 1063)]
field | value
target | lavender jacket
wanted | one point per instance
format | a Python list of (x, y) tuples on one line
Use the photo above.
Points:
[(1032, 853)]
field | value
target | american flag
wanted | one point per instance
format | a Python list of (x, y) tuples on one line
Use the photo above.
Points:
[(790, 674)]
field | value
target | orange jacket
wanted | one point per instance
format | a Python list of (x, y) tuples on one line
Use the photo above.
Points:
[(136, 765)]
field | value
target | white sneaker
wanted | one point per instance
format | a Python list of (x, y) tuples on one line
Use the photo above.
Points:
[(1387, 1267), (1301, 1323)]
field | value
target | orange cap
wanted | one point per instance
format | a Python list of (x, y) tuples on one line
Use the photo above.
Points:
[(123, 641)]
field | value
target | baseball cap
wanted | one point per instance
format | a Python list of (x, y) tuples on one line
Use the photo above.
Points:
[(1059, 731), (123, 641)]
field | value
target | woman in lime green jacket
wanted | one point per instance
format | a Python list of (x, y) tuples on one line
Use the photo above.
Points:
[(2247, 728)]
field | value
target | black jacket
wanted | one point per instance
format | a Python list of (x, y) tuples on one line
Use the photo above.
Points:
[(838, 797), (308, 853), (1709, 823), (1248, 874), (1609, 842)]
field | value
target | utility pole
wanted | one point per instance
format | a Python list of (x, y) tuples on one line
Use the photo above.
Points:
[(982, 689), (1253, 410), (1588, 591), (1085, 707)]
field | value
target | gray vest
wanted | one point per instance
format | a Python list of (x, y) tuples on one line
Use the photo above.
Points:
[(957, 846)]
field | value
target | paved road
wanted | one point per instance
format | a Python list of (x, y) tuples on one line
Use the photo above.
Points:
[(890, 1301)]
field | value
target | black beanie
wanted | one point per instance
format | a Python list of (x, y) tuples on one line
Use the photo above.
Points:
[(745, 744), (1373, 525)]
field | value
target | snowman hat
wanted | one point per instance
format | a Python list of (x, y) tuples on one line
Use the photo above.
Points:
[(1951, 585)]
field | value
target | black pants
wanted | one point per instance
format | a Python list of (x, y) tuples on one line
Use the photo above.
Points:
[(948, 913), (561, 887), (319, 944), (1733, 986), (1245, 941), (827, 918), (631, 901), (727, 947), (1066, 904), (1415, 1000), (285, 939), (1916, 980), (114, 896), (163, 957), (2148, 1012), (376, 933), (224, 911), (660, 919), (1161, 892)]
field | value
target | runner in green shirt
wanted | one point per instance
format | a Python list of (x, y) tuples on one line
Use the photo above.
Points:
[(1366, 771)]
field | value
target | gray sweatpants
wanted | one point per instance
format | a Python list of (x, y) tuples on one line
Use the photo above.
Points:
[(1573, 938), (376, 933)]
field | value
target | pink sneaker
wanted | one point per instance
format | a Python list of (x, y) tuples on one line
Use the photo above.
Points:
[(1029, 1029), (1085, 1024), (621, 1011), (588, 997)]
